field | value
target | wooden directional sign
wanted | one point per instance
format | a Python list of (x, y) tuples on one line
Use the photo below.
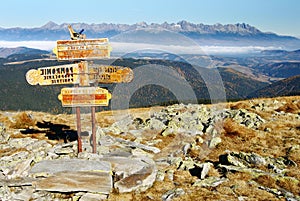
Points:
[(84, 96), (111, 74), (79, 73), (63, 74), (67, 50)]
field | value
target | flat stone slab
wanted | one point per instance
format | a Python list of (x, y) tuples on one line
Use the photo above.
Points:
[(26, 181), (49, 167), (134, 174), (82, 181)]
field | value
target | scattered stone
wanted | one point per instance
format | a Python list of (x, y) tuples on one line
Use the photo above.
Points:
[(170, 175), (64, 151), (186, 148), (214, 142), (186, 164), (160, 175), (21, 142), (138, 145), (205, 169), (93, 197), (139, 181), (5, 193), (133, 174), (20, 170), (249, 119), (155, 124), (106, 140), (169, 131), (139, 153), (248, 160), (268, 130), (89, 156), (24, 194), (122, 125), (169, 195), (4, 136), (210, 182)]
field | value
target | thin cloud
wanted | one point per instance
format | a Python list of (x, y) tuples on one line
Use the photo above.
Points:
[(131, 47)]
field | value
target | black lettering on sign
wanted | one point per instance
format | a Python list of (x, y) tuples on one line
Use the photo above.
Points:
[(110, 69), (105, 77), (57, 74), (48, 71)]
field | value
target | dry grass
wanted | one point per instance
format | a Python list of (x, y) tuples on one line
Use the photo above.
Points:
[(10, 151), (23, 121), (239, 105), (290, 107), (235, 137), (289, 185), (233, 129), (5, 120), (266, 180)]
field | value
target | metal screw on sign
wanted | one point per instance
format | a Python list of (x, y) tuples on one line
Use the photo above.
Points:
[(81, 74)]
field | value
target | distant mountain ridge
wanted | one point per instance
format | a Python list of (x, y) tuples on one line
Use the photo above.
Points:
[(5, 52), (217, 34), (182, 26), (287, 87)]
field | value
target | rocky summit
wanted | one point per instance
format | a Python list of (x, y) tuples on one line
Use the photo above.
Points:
[(247, 150)]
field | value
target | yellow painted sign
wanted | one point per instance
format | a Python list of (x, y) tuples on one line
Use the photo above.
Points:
[(63, 74), (80, 73), (66, 50), (84, 96), (111, 74)]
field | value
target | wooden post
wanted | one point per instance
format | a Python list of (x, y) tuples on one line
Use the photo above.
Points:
[(78, 122), (94, 129)]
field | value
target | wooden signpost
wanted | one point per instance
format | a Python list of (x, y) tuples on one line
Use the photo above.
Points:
[(67, 50), (84, 96), (63, 74), (82, 75), (110, 74), (79, 73)]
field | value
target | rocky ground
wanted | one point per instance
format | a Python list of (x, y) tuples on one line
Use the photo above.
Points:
[(246, 150)]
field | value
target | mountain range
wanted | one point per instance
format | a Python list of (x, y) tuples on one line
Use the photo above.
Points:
[(286, 87), (5, 52), (239, 34)]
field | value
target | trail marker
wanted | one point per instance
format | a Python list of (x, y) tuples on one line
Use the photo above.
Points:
[(83, 49), (84, 96), (81, 74)]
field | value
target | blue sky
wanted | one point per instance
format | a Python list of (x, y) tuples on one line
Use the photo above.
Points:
[(279, 16)]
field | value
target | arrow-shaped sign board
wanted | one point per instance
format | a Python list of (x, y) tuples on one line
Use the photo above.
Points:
[(84, 96), (63, 74), (79, 73), (83, 49), (111, 74)]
